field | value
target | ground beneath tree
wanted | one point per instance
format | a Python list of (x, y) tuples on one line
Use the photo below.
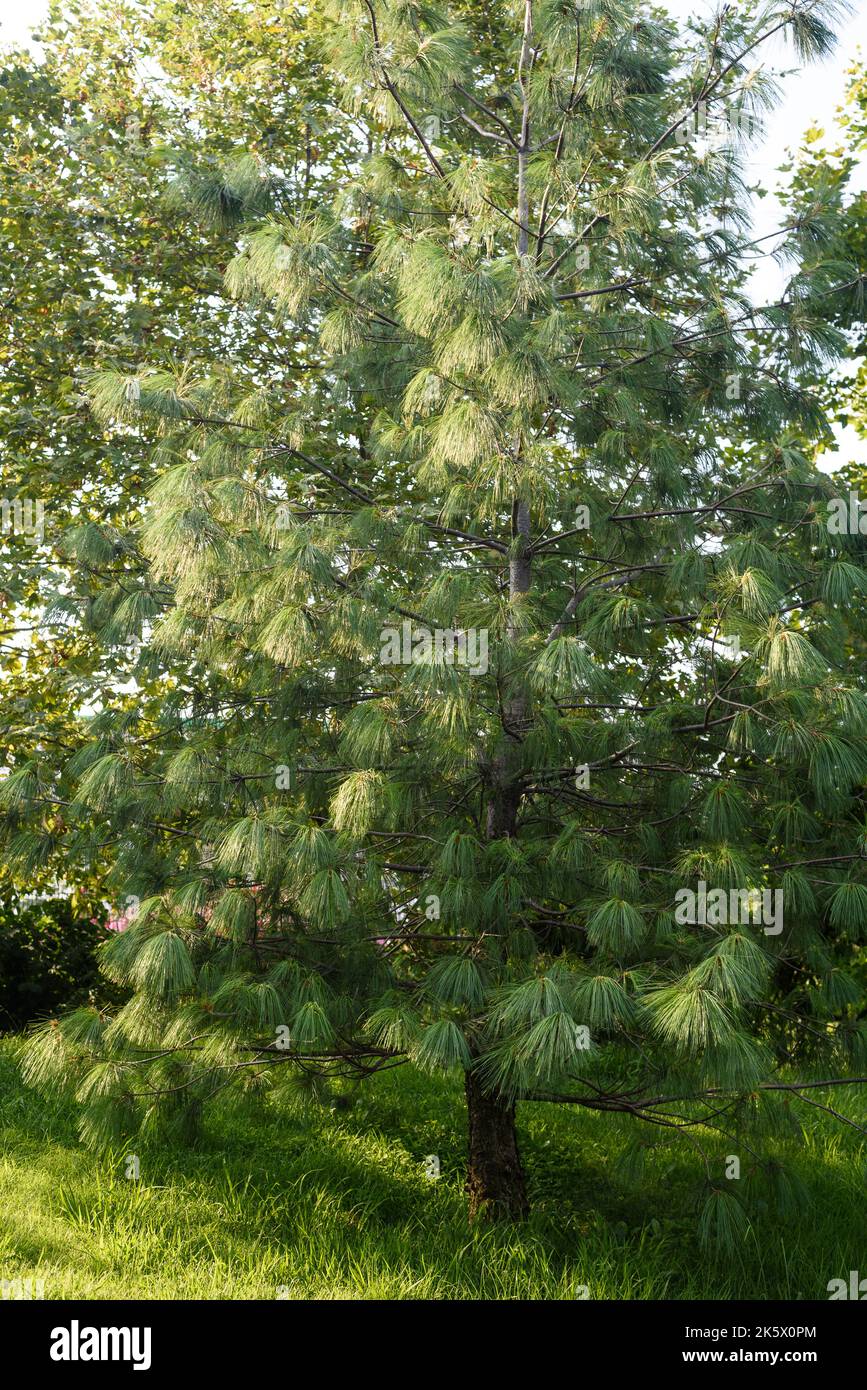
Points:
[(319, 1203)]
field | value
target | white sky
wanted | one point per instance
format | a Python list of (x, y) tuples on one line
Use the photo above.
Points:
[(809, 98), (17, 17)]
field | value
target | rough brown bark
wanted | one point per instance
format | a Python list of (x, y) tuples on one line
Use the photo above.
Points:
[(495, 1177)]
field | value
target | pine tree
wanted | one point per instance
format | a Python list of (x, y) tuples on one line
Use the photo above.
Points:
[(519, 625)]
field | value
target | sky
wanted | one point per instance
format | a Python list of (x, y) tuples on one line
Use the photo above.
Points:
[(809, 98)]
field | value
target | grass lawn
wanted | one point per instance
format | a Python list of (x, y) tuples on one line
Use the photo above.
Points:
[(319, 1203)]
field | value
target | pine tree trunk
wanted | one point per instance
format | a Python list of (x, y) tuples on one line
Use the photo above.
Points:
[(495, 1177)]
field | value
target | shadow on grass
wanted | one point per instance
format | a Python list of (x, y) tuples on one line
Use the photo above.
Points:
[(314, 1203)]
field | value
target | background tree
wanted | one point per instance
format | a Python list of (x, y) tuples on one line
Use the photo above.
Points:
[(824, 180), (527, 298), (132, 150), (48, 955)]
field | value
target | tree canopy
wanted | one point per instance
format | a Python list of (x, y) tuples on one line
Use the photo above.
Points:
[(487, 606)]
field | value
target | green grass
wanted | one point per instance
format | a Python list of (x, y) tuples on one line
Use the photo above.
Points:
[(334, 1204)]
